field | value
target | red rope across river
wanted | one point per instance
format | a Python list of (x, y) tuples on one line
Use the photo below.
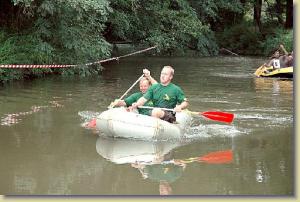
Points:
[(21, 66)]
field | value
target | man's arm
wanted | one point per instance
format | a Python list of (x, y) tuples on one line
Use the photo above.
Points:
[(148, 76), (118, 103), (283, 49), (151, 79), (182, 106), (138, 103), (270, 63)]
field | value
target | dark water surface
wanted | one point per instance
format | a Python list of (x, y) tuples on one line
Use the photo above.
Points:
[(44, 148)]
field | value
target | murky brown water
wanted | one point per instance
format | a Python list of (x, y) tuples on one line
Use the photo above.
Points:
[(45, 150)]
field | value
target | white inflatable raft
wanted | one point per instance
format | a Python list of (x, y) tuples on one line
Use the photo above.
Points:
[(117, 122), (122, 151)]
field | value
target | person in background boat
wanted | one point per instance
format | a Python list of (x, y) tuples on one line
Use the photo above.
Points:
[(275, 62), (144, 84), (290, 60), (286, 60), (281, 61), (164, 95)]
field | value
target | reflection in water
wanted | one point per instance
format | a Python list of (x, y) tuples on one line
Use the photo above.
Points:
[(14, 118), (164, 174), (274, 89), (261, 172), (24, 184), (278, 86), (153, 159), (121, 151), (150, 158)]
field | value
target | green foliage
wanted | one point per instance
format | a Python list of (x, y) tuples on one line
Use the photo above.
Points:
[(214, 10), (281, 36), (25, 3), (173, 25), (21, 49), (57, 32), (242, 39), (79, 31), (73, 29)]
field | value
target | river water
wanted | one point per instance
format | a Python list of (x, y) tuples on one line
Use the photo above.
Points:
[(45, 148)]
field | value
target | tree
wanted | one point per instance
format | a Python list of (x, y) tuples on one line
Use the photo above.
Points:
[(279, 11), (64, 31), (219, 13), (173, 25), (53, 31), (289, 14), (257, 13)]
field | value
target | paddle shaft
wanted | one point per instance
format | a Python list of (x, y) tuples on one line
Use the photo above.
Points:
[(213, 115), (129, 89), (166, 109), (147, 107), (92, 123)]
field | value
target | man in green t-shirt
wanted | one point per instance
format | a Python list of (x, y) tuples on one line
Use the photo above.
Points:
[(164, 95), (145, 83)]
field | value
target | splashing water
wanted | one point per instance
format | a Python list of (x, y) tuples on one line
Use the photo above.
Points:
[(212, 130), (87, 116)]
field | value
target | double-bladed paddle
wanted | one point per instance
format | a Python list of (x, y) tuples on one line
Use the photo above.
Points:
[(213, 115)]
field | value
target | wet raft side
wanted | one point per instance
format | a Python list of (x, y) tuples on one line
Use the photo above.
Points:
[(264, 71), (119, 123)]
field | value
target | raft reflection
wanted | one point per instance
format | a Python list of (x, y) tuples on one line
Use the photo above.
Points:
[(121, 151), (148, 157), (279, 86)]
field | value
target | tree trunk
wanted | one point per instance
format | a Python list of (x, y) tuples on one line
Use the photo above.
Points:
[(257, 13), (289, 14), (279, 11)]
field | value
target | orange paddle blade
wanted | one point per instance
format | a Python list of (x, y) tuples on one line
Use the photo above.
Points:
[(218, 157), (218, 116), (92, 124)]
